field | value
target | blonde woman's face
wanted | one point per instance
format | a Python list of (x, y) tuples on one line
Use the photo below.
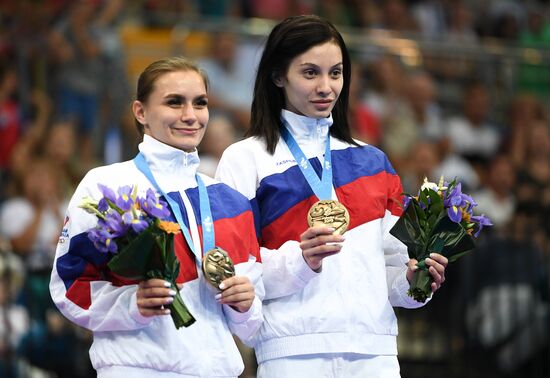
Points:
[(176, 112), (313, 81)]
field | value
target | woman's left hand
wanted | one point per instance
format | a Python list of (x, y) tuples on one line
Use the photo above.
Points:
[(436, 264), (238, 292)]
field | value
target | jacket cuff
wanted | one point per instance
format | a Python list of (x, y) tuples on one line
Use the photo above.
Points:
[(135, 314), (299, 268), (240, 317)]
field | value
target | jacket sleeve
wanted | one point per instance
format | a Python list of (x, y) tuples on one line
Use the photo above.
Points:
[(285, 271), (395, 252), (245, 325), (80, 285)]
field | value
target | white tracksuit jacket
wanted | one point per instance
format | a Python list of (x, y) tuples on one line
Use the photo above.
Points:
[(347, 307), (127, 344)]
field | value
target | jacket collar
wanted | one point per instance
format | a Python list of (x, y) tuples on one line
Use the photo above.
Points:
[(168, 160), (307, 129)]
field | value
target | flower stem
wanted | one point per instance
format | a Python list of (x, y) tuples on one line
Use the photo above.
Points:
[(179, 312), (421, 285)]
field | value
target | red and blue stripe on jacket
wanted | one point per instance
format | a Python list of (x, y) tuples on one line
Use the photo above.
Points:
[(233, 225), (364, 181)]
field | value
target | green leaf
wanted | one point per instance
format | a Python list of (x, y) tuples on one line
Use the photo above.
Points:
[(423, 198), (456, 241), (137, 258), (408, 230), (179, 312)]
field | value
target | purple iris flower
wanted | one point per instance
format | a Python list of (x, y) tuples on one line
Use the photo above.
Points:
[(455, 193), (114, 223), (125, 201), (155, 207), (470, 203), (103, 205), (107, 192), (136, 223), (482, 221), (455, 214), (103, 240), (406, 201), (454, 202)]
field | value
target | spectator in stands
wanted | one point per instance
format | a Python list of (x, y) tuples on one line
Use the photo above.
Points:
[(523, 112), (115, 88), (533, 185), (431, 17), (365, 125), (460, 27), (219, 135), (471, 133), (507, 306), (19, 139), (339, 12), (423, 160), (418, 117), (231, 79), (385, 87), (453, 165), (59, 146), (396, 17), (532, 76), (10, 114), (31, 222), (14, 319), (496, 198), (74, 45)]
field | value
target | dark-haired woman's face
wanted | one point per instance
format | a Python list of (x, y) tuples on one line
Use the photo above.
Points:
[(176, 111), (313, 81)]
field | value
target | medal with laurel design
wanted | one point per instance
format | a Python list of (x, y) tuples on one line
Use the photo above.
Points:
[(329, 213), (217, 266)]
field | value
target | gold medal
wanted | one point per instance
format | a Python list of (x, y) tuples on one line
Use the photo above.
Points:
[(329, 213), (217, 266)]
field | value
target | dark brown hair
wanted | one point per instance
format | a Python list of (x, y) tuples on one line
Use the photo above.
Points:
[(288, 39)]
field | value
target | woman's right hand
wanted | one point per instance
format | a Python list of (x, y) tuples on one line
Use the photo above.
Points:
[(153, 295), (317, 243)]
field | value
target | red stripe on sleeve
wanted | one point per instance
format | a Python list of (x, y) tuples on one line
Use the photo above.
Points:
[(395, 196), (237, 236), (79, 292)]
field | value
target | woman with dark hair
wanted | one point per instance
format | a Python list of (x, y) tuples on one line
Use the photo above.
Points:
[(134, 335), (309, 181)]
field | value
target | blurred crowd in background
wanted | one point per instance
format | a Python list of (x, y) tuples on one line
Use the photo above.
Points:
[(458, 88)]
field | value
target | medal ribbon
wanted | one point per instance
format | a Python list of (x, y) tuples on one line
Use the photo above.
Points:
[(204, 203), (321, 187)]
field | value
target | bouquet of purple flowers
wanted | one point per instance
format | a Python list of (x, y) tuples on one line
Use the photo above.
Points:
[(440, 219), (134, 230)]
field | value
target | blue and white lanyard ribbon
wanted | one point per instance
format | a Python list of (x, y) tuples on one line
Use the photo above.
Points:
[(321, 187), (207, 223)]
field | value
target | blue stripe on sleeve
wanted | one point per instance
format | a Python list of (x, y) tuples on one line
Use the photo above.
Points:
[(81, 252), (225, 202), (355, 162)]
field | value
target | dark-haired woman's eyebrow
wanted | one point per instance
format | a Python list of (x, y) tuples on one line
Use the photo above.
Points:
[(313, 65)]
